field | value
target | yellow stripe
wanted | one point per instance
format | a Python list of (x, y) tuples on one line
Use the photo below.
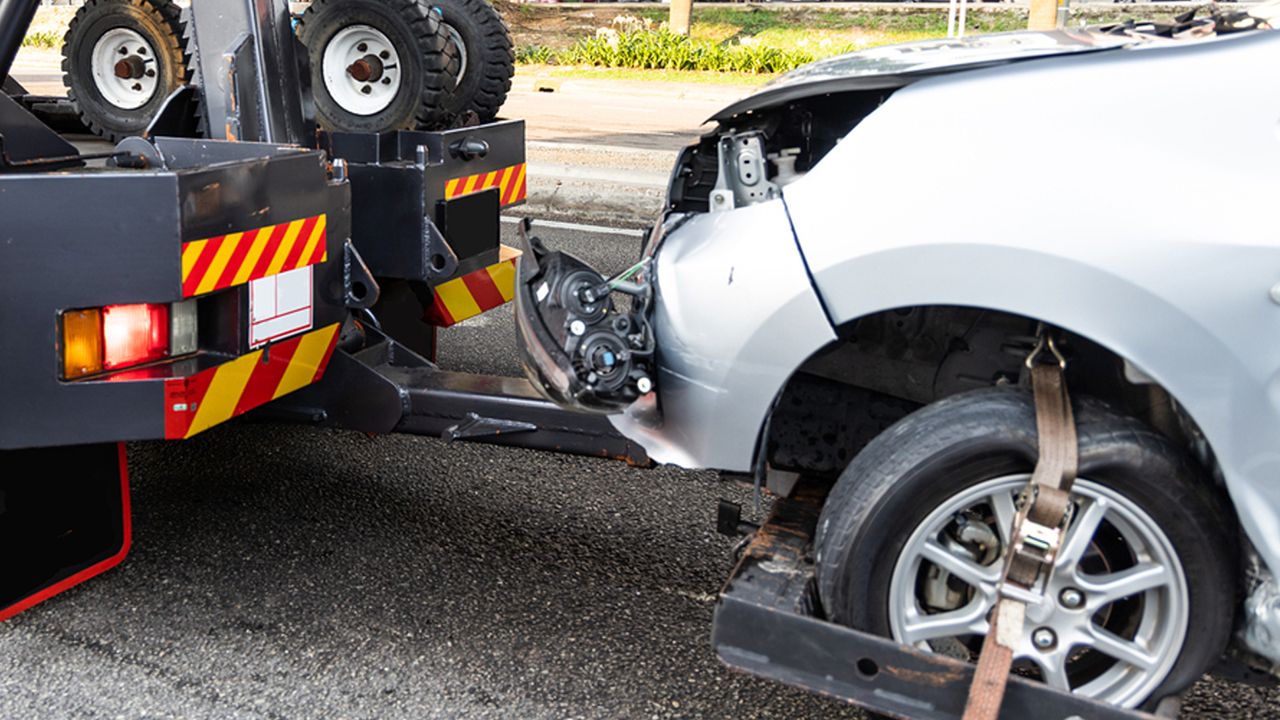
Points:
[(224, 392), (470, 185), (457, 300), (211, 275), (190, 254), (490, 180), (451, 189), (306, 360), (504, 278), (255, 251), (505, 181), (286, 244), (519, 179), (317, 232)]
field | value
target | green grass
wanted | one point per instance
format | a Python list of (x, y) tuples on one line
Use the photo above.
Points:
[(754, 40)]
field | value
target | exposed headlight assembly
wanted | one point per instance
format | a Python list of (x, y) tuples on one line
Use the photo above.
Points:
[(576, 344)]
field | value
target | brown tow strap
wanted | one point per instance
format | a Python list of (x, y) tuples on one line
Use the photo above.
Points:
[(1044, 510)]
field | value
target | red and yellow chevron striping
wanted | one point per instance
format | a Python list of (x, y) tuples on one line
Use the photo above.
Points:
[(226, 260), (477, 291), (510, 182), (196, 403)]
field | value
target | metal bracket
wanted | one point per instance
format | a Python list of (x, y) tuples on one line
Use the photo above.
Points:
[(743, 178), (474, 426), (361, 289)]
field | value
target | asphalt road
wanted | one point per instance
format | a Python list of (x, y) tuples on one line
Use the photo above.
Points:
[(290, 572)]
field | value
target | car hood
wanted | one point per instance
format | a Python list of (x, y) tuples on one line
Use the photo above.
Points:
[(893, 66)]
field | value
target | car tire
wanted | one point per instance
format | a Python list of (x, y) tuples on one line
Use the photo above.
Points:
[(149, 32), (880, 508), (408, 73), (486, 57)]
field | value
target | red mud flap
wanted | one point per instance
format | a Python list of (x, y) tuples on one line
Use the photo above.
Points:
[(64, 518), (766, 623)]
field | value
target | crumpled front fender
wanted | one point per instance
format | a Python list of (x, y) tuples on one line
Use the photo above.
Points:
[(735, 315)]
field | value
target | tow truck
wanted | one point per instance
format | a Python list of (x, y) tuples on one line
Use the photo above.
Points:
[(231, 258)]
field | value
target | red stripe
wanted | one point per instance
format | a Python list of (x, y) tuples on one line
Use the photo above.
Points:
[(328, 353), (439, 314), (190, 391), (97, 569), (295, 252), (318, 254), (237, 257), (269, 252), (201, 267), (510, 194), (266, 376), (520, 191), (482, 289), (504, 186)]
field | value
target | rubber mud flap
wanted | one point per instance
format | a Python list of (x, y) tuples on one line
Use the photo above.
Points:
[(64, 518)]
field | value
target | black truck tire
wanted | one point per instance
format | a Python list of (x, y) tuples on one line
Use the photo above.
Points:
[(120, 60), (487, 60), (410, 90), (882, 504)]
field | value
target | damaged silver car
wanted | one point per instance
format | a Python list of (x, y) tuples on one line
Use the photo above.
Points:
[(852, 271)]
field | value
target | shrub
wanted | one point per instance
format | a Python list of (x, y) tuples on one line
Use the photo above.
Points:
[(663, 50), (42, 39)]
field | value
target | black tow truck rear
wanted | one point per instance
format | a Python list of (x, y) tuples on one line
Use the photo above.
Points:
[(234, 259)]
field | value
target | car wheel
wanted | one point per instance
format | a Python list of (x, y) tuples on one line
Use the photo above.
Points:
[(1140, 603), (486, 56), (120, 60), (377, 65)]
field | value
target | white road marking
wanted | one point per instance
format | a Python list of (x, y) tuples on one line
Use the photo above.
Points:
[(579, 227)]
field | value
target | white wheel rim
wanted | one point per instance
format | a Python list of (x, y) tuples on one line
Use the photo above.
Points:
[(355, 93), (121, 50), (1153, 592), (462, 49)]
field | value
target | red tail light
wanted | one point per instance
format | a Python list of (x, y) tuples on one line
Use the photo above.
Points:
[(133, 334)]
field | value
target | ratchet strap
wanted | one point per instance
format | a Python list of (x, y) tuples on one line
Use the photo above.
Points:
[(1044, 511)]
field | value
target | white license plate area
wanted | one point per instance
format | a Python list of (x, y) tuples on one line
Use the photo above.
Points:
[(279, 306)]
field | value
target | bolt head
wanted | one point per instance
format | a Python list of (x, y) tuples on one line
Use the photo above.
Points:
[(1043, 638), (577, 327), (1275, 293), (1071, 598)]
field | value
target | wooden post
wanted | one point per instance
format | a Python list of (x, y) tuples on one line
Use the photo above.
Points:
[(1043, 16), (681, 13)]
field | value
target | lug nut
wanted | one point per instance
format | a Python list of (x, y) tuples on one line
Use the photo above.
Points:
[(1071, 599), (1043, 638), (362, 47), (366, 89)]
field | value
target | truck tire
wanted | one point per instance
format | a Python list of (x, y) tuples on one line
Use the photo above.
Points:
[(909, 547), (378, 65), (120, 60), (487, 60)]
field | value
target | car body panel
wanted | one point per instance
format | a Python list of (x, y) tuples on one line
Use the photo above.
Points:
[(735, 314), (1122, 196)]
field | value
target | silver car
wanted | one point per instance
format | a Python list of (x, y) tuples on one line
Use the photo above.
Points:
[(853, 267)]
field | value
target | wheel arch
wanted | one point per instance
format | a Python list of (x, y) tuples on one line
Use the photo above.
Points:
[(1180, 344)]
